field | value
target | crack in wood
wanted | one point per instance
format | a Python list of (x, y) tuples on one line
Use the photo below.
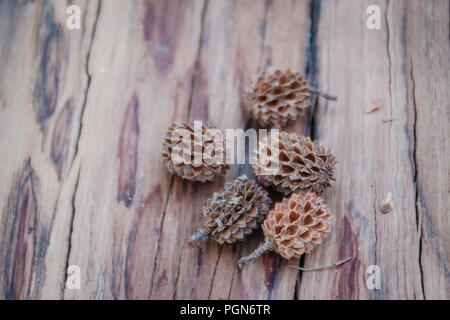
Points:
[(232, 281), (416, 183), (311, 68), (89, 77), (166, 202), (377, 294), (69, 241), (388, 49), (298, 278), (214, 273), (375, 217), (311, 64), (177, 277), (69, 245), (191, 94)]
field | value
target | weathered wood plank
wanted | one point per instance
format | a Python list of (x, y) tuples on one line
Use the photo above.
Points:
[(41, 100), (427, 64), (376, 157), (83, 114), (141, 77)]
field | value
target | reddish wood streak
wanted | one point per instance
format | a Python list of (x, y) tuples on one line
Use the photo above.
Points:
[(127, 153), (139, 235), (348, 282), (51, 45), (271, 263), (60, 137), (181, 98), (162, 21), (18, 237), (162, 280), (200, 101)]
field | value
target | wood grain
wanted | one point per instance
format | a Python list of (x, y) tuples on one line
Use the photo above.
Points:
[(83, 114), (427, 49), (123, 190), (376, 157), (41, 100)]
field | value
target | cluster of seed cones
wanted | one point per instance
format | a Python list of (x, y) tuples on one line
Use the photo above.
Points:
[(304, 169)]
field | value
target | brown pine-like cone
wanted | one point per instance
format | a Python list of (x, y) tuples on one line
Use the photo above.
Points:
[(294, 226), (277, 98), (303, 165), (234, 212), (185, 152)]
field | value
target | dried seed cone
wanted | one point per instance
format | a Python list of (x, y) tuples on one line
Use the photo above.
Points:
[(297, 224), (294, 226), (277, 98), (194, 164), (303, 165), (233, 213)]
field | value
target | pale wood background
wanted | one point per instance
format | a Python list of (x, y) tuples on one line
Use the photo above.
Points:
[(83, 114)]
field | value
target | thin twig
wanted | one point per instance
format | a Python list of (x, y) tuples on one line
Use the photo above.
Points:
[(322, 94), (321, 267), (267, 245), (376, 108), (388, 119)]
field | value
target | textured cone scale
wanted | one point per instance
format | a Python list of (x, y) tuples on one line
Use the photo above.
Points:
[(294, 226), (277, 98), (303, 165), (233, 213), (194, 164)]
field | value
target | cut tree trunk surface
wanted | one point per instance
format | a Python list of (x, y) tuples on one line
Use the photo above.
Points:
[(83, 114)]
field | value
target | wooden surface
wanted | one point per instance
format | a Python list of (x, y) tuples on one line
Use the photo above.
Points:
[(83, 114)]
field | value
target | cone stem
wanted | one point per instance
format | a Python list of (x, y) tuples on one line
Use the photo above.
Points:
[(321, 267), (267, 245), (322, 94), (196, 237)]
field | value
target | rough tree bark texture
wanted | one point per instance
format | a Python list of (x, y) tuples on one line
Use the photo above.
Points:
[(83, 114)]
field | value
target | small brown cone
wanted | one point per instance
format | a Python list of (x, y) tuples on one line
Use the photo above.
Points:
[(294, 226), (193, 163), (277, 98), (303, 165), (233, 213)]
